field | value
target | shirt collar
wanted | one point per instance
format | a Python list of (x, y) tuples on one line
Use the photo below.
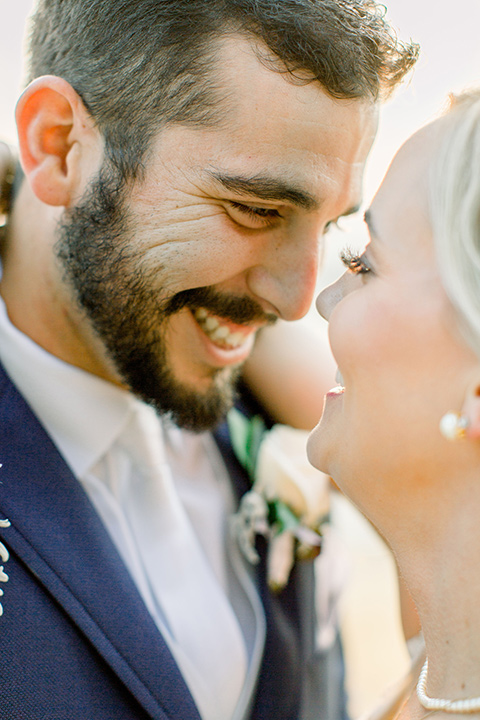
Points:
[(82, 413)]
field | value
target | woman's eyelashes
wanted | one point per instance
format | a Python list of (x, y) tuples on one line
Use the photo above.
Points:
[(357, 264)]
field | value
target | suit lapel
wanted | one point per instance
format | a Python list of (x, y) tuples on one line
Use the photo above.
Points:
[(279, 687), (57, 533)]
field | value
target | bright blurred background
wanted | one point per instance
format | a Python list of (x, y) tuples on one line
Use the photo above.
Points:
[(449, 35)]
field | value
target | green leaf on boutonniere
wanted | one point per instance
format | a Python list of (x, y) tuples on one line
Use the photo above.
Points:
[(246, 436)]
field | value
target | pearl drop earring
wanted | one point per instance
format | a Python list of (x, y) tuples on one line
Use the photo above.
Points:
[(453, 426)]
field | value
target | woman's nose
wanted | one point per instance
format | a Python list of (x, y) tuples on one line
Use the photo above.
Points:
[(331, 296)]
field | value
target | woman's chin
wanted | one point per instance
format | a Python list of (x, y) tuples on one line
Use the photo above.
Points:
[(319, 447)]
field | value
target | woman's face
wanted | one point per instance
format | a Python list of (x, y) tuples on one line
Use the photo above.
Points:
[(394, 335)]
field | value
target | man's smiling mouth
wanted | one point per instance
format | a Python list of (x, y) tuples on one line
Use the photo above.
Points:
[(220, 331)]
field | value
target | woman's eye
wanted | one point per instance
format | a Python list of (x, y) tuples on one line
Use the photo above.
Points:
[(255, 215), (355, 263)]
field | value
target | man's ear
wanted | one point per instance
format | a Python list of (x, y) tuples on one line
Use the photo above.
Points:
[(55, 133), (471, 408)]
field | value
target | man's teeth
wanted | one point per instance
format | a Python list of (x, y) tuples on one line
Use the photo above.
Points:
[(220, 334), (339, 378)]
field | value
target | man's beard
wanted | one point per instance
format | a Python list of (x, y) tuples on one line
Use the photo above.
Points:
[(122, 301)]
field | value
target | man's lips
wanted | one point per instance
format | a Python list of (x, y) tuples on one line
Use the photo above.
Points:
[(224, 333)]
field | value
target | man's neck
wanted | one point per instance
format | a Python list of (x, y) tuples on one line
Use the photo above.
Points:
[(37, 300)]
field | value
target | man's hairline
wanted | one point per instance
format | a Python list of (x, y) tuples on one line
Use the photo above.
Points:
[(221, 118), (272, 63)]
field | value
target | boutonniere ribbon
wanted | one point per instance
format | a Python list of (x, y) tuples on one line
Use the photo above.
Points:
[(289, 500)]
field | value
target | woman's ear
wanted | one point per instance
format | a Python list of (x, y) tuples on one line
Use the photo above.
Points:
[(471, 409), (55, 131)]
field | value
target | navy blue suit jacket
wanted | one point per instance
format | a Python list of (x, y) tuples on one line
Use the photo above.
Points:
[(76, 640)]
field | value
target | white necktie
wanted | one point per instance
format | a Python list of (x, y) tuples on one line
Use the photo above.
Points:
[(204, 633)]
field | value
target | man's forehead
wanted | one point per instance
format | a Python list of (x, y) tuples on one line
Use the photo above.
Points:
[(278, 141), (248, 74)]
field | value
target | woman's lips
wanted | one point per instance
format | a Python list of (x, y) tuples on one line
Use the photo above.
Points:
[(338, 390)]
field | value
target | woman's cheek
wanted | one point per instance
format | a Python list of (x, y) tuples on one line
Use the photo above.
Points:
[(348, 333)]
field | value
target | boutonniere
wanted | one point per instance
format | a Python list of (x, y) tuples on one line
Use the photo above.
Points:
[(289, 500), (4, 557)]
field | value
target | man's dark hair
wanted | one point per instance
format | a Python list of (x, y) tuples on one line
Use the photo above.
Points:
[(141, 64)]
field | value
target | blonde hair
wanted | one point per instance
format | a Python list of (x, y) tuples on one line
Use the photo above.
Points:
[(455, 210)]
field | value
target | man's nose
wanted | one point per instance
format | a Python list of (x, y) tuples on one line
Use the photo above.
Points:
[(287, 275)]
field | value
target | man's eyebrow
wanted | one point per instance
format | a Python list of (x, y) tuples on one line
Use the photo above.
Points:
[(265, 188)]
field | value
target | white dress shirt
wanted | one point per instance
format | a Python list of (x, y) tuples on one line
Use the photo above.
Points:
[(85, 417)]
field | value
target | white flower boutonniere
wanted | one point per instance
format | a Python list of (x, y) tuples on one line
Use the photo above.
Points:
[(4, 557), (289, 499)]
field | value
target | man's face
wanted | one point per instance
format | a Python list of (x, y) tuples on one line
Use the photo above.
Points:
[(220, 237)]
